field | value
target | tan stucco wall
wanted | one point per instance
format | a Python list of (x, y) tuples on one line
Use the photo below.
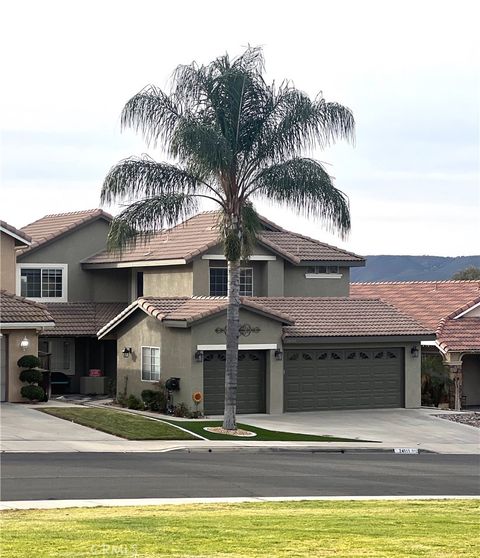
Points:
[(14, 352), (7, 263), (168, 281), (296, 284)]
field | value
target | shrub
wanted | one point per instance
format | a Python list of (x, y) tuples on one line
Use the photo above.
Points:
[(28, 361), (154, 400), (34, 393), (31, 376), (133, 402), (181, 410)]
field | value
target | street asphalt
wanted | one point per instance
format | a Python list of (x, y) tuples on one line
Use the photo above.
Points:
[(197, 474)]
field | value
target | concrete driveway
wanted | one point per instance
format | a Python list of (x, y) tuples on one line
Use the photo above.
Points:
[(414, 428), (23, 428)]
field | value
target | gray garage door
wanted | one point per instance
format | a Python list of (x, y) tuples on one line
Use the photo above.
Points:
[(343, 379), (251, 382)]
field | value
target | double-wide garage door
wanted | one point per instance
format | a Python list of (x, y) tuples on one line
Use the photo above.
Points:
[(251, 383), (343, 379)]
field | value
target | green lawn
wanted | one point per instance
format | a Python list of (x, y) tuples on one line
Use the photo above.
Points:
[(437, 529), (198, 426), (137, 427), (125, 425)]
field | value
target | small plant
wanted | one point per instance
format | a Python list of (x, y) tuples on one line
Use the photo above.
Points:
[(122, 396), (133, 402), (154, 400), (28, 361), (182, 411), (31, 376), (33, 393)]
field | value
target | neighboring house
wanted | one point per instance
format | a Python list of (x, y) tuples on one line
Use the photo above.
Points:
[(304, 344), (21, 320), (452, 310), (49, 271)]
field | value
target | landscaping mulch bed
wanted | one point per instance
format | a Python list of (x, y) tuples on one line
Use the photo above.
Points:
[(472, 419)]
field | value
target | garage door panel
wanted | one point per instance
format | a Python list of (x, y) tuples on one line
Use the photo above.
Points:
[(251, 382), (343, 379)]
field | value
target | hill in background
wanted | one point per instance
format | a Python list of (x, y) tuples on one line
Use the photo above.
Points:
[(411, 268)]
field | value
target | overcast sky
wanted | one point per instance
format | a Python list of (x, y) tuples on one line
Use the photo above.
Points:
[(408, 70)]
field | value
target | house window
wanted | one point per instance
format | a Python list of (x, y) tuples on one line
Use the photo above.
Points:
[(150, 364), (219, 281), (322, 269), (43, 282)]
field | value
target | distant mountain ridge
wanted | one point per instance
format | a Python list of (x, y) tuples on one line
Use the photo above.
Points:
[(411, 268)]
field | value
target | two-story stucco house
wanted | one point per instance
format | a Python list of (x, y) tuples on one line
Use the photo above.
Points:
[(305, 344), (159, 310)]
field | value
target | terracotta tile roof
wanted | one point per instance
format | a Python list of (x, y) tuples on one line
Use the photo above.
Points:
[(199, 233), (302, 317), (17, 234), (426, 301), (184, 241), (53, 226), (16, 309), (462, 335), (77, 319), (189, 309), (297, 248), (343, 317)]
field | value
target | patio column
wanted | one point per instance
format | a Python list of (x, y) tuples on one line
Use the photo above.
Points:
[(455, 373)]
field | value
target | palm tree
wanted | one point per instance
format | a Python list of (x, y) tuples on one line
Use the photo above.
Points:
[(233, 139)]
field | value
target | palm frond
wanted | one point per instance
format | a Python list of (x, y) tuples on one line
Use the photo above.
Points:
[(303, 185), (143, 177), (152, 113), (143, 218)]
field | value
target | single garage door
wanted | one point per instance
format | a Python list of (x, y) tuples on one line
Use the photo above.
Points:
[(343, 379), (251, 385)]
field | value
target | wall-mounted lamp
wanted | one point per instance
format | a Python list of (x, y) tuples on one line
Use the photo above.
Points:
[(127, 351), (414, 351), (24, 343), (198, 356), (278, 355)]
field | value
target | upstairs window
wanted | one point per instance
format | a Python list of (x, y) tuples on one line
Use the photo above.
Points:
[(323, 271), (43, 282), (219, 281)]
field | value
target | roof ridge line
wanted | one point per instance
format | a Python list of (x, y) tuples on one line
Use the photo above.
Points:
[(316, 241), (417, 281)]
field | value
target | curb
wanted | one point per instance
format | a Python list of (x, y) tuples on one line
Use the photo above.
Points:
[(130, 502)]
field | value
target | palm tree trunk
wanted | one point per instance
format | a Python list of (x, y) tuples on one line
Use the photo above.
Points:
[(231, 363)]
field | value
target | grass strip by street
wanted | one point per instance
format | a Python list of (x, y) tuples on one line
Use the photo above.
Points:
[(400, 529), (124, 425), (262, 435)]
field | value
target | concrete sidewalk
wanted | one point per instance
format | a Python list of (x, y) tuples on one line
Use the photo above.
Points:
[(26, 430)]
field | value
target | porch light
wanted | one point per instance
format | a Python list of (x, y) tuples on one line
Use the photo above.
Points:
[(127, 351), (278, 355), (24, 343), (199, 356), (414, 351)]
